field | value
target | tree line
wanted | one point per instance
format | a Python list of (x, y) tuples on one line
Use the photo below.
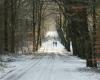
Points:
[(21, 26)]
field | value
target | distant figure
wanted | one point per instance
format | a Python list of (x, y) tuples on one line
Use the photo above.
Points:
[(54, 38), (54, 43)]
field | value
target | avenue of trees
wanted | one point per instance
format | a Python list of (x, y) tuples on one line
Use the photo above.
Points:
[(79, 24), (21, 26)]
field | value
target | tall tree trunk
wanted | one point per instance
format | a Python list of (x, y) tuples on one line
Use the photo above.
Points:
[(67, 34), (39, 24), (6, 25), (91, 62), (34, 42), (13, 16), (39, 31)]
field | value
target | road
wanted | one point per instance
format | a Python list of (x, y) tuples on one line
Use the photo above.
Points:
[(55, 67)]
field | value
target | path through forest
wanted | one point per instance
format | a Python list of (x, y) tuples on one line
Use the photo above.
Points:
[(53, 62), (55, 67)]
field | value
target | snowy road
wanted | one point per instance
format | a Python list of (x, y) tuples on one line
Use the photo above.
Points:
[(55, 67)]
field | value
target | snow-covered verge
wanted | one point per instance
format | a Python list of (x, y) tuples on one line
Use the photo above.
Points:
[(9, 64)]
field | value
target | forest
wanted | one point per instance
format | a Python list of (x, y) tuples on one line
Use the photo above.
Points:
[(24, 23)]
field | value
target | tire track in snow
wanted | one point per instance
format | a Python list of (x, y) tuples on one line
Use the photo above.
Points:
[(57, 70), (35, 72), (52, 68), (49, 70), (43, 73), (18, 73)]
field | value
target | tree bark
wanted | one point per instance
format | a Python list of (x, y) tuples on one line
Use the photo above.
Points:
[(6, 25), (13, 24), (34, 23)]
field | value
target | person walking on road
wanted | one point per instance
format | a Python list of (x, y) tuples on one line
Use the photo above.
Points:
[(54, 43)]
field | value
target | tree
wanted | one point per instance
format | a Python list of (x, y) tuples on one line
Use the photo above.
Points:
[(13, 24), (91, 60), (6, 25)]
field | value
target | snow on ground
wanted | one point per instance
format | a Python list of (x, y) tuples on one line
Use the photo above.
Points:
[(55, 67), (49, 47), (10, 64), (55, 64)]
